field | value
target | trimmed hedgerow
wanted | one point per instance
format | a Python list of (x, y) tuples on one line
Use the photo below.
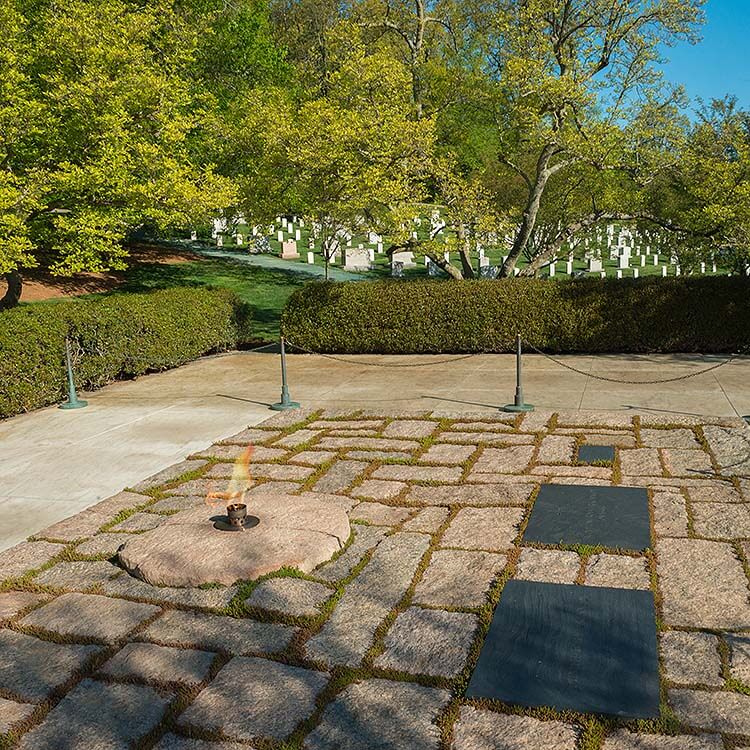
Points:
[(686, 314), (120, 336)]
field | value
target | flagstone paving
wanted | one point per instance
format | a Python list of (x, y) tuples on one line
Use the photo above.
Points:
[(374, 647)]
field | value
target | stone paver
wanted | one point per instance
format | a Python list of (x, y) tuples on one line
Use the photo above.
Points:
[(458, 578), (138, 522), (12, 713), (617, 571), (312, 458), (625, 740), (13, 602), (445, 453), (691, 658), (556, 449), (462, 426), (213, 633), (702, 583), (284, 472), (379, 489), (488, 438), (487, 730), (731, 447), (27, 556), (491, 529), (681, 462), (365, 538), (428, 641), (428, 520), (348, 633), (346, 424), (232, 453), (418, 473), (722, 520), (103, 544), (670, 514), (712, 492), (300, 437), (716, 711), (169, 474), (513, 493), (90, 616), (339, 476), (512, 460), (175, 742), (96, 715), (739, 657), (290, 596), (125, 585), (251, 436), (380, 714), (641, 461), (76, 576), (148, 661), (550, 566), (676, 438), (379, 514), (620, 439), (402, 428), (252, 697), (374, 455), (367, 443), (31, 668)]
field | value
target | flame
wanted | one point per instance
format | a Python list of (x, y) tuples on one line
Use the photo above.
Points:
[(238, 485)]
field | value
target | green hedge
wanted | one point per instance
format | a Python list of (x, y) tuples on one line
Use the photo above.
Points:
[(120, 336), (685, 314)]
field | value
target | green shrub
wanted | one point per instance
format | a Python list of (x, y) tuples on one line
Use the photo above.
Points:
[(686, 314), (119, 336)]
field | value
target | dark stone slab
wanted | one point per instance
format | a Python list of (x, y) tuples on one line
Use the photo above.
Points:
[(590, 454), (581, 648), (615, 517)]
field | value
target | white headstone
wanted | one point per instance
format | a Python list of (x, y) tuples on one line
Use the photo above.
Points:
[(713, 267), (238, 239), (380, 248), (595, 265), (483, 261), (656, 259), (193, 236), (603, 274), (623, 262), (280, 235), (619, 273), (311, 258), (569, 267), (703, 267), (297, 235), (677, 271), (551, 270), (635, 273), (643, 261), (404, 257), (371, 254), (219, 240), (356, 259), (663, 270)]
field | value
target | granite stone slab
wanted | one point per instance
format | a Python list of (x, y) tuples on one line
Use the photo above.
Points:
[(253, 698), (380, 714), (97, 715), (31, 668)]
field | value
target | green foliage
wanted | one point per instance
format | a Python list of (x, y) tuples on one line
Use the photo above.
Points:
[(710, 314), (120, 336)]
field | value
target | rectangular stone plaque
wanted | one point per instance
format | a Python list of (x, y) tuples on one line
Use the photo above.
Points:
[(589, 454), (615, 517), (579, 648)]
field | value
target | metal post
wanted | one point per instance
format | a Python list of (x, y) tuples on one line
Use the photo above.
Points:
[(518, 403), (73, 401), (286, 403)]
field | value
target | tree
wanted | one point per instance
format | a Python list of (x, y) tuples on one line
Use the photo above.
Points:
[(578, 98), (351, 158), (96, 119)]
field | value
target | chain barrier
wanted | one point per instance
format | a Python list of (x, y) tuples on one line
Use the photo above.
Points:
[(675, 379), (383, 364)]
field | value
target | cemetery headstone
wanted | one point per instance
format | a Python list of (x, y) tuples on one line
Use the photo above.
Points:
[(261, 245), (397, 269), (311, 258), (405, 257), (289, 250), (356, 259)]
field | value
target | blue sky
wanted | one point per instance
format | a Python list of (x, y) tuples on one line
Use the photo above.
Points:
[(720, 64)]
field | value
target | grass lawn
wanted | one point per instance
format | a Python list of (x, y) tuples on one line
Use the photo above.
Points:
[(266, 290)]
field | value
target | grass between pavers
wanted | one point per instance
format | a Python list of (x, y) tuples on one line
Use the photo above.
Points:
[(592, 728)]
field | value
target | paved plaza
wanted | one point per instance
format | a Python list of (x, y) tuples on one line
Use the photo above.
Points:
[(375, 648)]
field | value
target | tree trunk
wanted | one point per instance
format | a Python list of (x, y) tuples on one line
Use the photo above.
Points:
[(464, 252), (13, 292)]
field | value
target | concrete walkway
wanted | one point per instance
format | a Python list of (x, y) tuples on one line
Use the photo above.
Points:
[(54, 463)]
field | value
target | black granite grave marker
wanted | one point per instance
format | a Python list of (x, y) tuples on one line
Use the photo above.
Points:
[(594, 515), (589, 454), (580, 648)]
